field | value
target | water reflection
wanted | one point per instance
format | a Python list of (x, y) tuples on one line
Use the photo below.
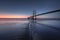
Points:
[(12, 29), (54, 23), (2, 22)]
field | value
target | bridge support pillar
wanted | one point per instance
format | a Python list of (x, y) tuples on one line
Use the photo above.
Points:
[(34, 16)]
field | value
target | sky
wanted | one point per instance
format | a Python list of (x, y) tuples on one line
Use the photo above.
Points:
[(24, 8)]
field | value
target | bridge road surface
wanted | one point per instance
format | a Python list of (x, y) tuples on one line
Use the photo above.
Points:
[(14, 32), (43, 32)]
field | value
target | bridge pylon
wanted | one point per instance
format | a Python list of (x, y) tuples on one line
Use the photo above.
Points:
[(34, 15)]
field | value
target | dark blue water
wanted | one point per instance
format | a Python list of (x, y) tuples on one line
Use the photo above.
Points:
[(46, 30), (42, 30), (12, 30), (54, 23)]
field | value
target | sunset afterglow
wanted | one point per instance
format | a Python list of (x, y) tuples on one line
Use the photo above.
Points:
[(12, 16)]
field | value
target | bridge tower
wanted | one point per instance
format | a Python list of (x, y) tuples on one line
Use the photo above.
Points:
[(34, 15)]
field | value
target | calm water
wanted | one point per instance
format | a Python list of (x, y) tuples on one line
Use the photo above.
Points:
[(53, 23), (10, 30), (45, 30)]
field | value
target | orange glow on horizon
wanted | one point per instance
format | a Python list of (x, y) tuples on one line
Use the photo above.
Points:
[(13, 16)]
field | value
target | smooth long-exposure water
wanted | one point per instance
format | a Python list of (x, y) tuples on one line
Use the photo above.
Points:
[(42, 30), (54, 23), (12, 30), (45, 30)]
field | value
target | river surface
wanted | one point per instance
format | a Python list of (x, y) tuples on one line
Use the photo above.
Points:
[(12, 30), (54, 23), (44, 30)]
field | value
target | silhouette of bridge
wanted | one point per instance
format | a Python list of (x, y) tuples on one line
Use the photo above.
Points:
[(50, 12), (39, 31)]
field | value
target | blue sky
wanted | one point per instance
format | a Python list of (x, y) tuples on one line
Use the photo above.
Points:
[(25, 7)]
